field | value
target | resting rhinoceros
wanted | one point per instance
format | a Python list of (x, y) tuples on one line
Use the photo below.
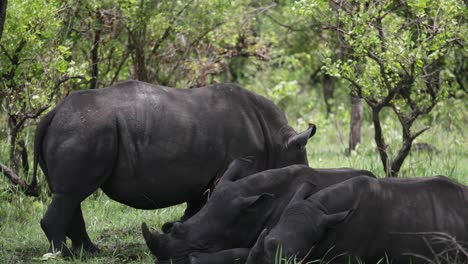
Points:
[(376, 220), (237, 211), (151, 147)]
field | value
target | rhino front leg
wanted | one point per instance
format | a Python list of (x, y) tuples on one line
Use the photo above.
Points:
[(78, 235), (57, 220)]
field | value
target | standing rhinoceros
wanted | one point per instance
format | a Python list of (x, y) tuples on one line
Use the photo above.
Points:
[(151, 147)]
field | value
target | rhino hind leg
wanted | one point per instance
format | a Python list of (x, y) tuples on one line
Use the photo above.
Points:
[(57, 220), (78, 235)]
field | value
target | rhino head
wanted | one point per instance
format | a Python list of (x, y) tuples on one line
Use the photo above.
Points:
[(301, 226), (220, 224), (292, 150)]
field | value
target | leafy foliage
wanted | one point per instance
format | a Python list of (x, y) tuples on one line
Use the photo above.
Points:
[(34, 62), (405, 58), (395, 54)]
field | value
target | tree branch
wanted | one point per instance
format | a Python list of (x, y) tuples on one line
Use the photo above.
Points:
[(289, 27), (6, 53), (417, 134), (169, 28), (119, 68), (13, 177)]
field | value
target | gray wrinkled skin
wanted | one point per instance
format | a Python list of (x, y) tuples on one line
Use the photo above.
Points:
[(371, 219), (239, 209), (151, 147)]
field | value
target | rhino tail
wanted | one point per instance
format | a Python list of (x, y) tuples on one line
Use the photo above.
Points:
[(41, 131)]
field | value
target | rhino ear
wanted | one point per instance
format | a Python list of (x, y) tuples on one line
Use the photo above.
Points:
[(258, 250), (300, 140), (251, 203), (331, 220), (239, 168)]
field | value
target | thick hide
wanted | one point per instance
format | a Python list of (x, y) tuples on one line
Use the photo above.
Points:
[(151, 147), (239, 209), (404, 220)]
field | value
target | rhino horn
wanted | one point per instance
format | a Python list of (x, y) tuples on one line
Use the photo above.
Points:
[(151, 239)]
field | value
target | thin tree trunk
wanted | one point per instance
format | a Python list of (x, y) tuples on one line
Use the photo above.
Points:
[(228, 77), (402, 154), (328, 82), (356, 121), (407, 137), (14, 154), (95, 54), (380, 141), (23, 151), (139, 62), (137, 41), (3, 7)]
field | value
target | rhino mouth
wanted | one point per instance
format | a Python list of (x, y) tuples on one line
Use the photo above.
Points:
[(170, 250)]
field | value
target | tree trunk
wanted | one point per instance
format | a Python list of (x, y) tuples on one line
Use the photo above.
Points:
[(356, 121), (137, 47), (3, 6), (15, 155), (380, 141), (18, 152), (328, 82), (18, 149), (402, 154), (139, 63), (95, 55), (24, 155)]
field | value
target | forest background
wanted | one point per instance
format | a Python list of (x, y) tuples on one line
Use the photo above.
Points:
[(384, 81)]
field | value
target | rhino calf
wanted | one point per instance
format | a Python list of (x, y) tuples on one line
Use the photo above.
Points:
[(372, 219), (237, 211)]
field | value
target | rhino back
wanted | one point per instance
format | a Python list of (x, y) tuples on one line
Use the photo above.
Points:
[(164, 143), (283, 183), (392, 216)]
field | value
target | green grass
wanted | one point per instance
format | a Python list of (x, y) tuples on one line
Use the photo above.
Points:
[(115, 228), (112, 226)]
